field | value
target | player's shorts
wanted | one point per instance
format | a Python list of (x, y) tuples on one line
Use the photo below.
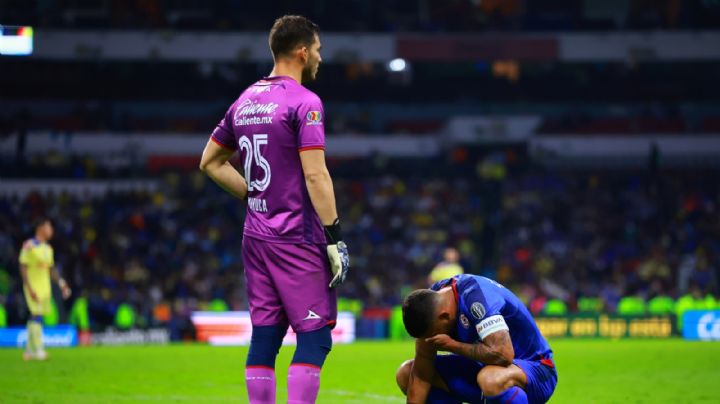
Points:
[(460, 375), (40, 307), (288, 284)]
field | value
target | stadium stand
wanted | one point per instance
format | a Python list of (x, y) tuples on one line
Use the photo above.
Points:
[(589, 259), (568, 239)]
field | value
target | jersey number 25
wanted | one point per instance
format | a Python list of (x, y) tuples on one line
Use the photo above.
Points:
[(252, 151)]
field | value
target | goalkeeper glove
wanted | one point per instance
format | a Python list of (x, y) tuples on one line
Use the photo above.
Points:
[(337, 253)]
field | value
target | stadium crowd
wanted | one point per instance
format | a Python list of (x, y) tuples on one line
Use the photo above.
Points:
[(369, 15), (174, 249), (618, 98)]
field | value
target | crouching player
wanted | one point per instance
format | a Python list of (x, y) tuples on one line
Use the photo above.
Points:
[(497, 352)]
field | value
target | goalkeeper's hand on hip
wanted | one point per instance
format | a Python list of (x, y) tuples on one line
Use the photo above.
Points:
[(337, 253)]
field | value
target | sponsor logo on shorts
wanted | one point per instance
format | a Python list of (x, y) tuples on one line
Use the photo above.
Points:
[(313, 118), (477, 310), (464, 320), (311, 316)]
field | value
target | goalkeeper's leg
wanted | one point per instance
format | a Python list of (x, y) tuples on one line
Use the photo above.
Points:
[(269, 322), (260, 366), (304, 373)]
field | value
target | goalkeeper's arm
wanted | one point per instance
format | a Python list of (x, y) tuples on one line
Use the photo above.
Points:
[(215, 164), (320, 187)]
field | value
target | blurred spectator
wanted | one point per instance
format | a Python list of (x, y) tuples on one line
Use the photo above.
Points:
[(448, 267)]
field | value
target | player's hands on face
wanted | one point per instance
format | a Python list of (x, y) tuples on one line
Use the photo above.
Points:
[(441, 342), (337, 252)]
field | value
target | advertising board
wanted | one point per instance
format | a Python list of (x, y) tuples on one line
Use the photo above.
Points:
[(234, 328), (59, 336)]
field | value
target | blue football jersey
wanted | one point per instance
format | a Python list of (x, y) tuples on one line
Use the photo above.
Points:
[(485, 307)]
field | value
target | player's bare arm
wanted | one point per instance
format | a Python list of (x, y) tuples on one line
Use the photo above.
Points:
[(421, 373), (26, 283), (66, 291), (320, 188), (495, 349), (496, 352), (215, 163), (319, 185)]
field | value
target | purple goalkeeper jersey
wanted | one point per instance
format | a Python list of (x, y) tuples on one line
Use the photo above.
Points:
[(270, 124)]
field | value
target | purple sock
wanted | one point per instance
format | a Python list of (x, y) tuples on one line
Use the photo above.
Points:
[(260, 382), (513, 395), (303, 383)]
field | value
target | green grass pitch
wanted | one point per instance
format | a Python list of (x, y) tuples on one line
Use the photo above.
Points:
[(590, 371)]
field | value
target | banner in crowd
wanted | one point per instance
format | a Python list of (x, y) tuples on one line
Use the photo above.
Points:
[(59, 336), (493, 129), (702, 325), (607, 326), (234, 328)]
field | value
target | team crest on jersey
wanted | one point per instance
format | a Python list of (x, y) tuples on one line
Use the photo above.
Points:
[(314, 118), (477, 310), (464, 321)]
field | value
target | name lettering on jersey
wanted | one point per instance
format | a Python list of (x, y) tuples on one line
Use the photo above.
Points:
[(477, 310), (491, 325), (257, 204)]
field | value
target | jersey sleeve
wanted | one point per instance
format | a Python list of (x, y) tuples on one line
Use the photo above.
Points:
[(25, 253), (441, 284), (223, 134), (311, 130), (485, 308)]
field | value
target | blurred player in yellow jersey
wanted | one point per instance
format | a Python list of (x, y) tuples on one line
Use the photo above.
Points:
[(36, 267), (449, 267)]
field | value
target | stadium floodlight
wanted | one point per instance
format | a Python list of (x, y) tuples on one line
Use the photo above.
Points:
[(397, 65)]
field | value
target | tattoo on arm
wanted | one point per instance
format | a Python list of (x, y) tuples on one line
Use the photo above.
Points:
[(496, 349)]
